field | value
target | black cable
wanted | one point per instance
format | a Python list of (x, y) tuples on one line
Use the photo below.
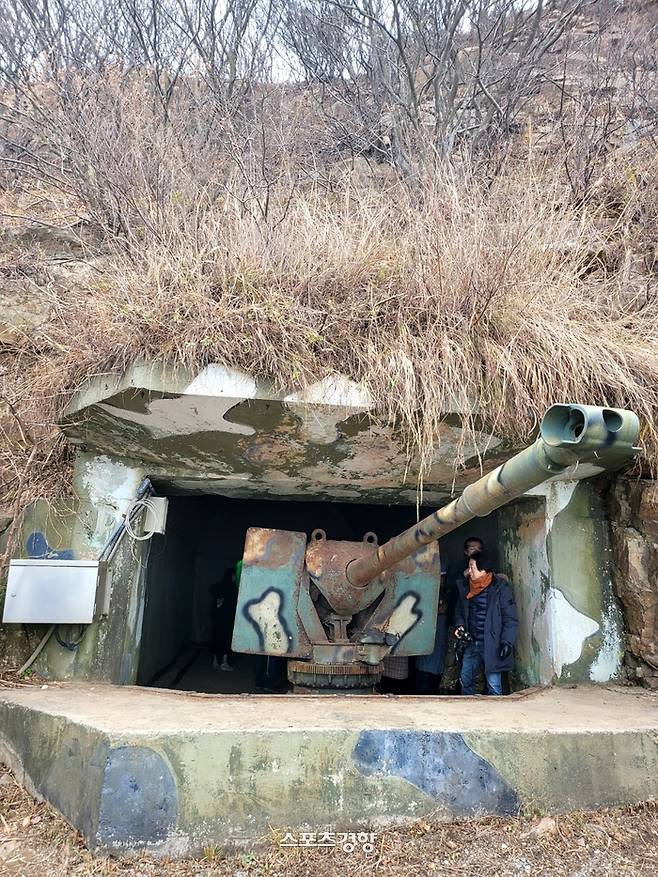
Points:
[(71, 645)]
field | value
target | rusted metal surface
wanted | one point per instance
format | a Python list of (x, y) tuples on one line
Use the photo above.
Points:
[(344, 653), (355, 678), (267, 547), (346, 605), (569, 434), (326, 562), (349, 669)]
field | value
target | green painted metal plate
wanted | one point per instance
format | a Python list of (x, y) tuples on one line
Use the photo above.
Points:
[(266, 621), (413, 601), (416, 595)]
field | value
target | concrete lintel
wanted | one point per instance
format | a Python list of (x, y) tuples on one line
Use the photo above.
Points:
[(216, 380)]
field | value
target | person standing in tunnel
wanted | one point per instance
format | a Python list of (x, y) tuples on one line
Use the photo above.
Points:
[(455, 570), (486, 620), (224, 596)]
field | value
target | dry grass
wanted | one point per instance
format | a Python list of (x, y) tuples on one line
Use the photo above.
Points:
[(35, 841), (498, 295), (10, 679), (495, 297)]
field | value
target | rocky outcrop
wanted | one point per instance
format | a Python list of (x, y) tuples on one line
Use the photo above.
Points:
[(633, 506), (22, 309), (32, 261)]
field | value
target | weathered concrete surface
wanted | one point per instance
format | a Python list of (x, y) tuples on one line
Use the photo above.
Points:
[(137, 768), (222, 431), (554, 545), (104, 490)]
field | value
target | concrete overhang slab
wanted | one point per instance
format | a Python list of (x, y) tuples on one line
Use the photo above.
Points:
[(222, 431), (234, 435)]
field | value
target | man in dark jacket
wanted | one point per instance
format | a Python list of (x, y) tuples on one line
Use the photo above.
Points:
[(455, 570), (486, 620)]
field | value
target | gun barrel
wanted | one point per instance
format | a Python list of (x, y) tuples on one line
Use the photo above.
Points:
[(569, 435)]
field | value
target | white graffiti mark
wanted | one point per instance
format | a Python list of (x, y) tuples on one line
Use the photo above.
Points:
[(404, 616), (564, 629), (265, 614), (608, 660)]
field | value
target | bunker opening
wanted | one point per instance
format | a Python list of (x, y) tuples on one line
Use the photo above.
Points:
[(191, 588), (333, 596)]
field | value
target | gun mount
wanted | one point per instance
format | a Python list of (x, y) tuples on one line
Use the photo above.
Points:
[(335, 609)]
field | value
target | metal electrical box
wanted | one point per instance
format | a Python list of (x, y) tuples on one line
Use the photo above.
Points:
[(54, 591), (156, 514)]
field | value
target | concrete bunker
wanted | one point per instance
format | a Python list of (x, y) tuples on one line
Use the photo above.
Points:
[(228, 452), (190, 565), (553, 546), (222, 437)]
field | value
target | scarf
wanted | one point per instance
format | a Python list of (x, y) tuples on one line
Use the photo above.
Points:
[(478, 583)]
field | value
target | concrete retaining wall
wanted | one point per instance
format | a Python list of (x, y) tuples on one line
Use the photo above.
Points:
[(175, 773)]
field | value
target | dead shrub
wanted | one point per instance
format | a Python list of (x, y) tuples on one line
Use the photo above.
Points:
[(449, 293)]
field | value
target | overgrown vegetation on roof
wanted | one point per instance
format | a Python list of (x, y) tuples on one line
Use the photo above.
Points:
[(493, 244)]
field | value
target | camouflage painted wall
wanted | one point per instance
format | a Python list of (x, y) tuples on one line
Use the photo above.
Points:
[(108, 651), (222, 431), (172, 774), (555, 547)]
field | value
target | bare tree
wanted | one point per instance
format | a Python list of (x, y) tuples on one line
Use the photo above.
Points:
[(608, 91), (447, 71), (133, 106), (104, 98)]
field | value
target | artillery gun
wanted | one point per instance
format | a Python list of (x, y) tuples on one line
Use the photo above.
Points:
[(335, 609)]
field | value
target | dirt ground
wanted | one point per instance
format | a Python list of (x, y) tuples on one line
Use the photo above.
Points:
[(36, 842)]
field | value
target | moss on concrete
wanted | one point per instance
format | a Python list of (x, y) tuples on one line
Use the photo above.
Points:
[(572, 771), (174, 789)]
